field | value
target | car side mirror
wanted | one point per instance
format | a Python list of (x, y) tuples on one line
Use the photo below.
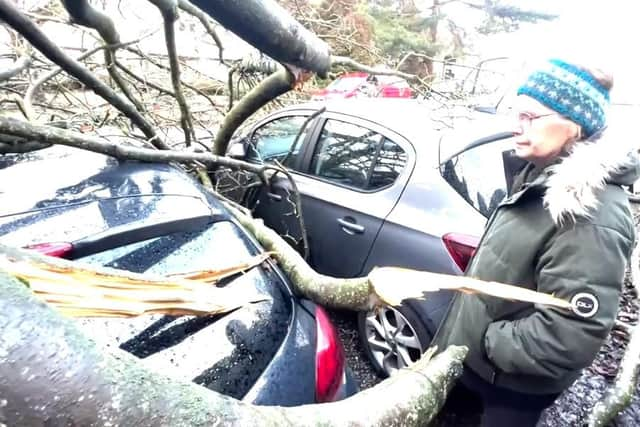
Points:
[(237, 150)]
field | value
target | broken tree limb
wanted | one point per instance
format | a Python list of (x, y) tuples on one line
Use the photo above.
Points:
[(21, 64), (351, 294), (206, 22), (270, 88), (271, 29), (169, 11), (51, 135), (10, 14), (82, 13), (51, 373), (623, 390), (79, 290)]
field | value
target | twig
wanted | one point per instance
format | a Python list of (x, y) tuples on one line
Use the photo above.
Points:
[(84, 14), (144, 81), (31, 90), (169, 11), (23, 25), (206, 21), (343, 60), (21, 64)]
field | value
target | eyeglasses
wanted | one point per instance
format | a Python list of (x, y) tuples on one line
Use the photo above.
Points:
[(528, 118)]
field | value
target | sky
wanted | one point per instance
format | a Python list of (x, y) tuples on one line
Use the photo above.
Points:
[(594, 33)]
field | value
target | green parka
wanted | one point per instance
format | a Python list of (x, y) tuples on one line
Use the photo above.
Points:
[(566, 230)]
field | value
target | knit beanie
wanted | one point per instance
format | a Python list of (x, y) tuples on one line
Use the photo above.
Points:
[(571, 92)]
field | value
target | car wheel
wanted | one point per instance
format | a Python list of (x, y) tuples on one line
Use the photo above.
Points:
[(392, 338)]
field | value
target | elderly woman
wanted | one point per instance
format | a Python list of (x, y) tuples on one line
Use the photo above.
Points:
[(565, 229)]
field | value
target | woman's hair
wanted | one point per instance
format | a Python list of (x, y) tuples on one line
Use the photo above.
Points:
[(605, 79)]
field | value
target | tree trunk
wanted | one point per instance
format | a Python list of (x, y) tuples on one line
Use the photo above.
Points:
[(272, 30), (51, 374)]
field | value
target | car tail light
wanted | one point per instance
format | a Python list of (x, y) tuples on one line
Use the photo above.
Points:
[(56, 249), (329, 358), (461, 247)]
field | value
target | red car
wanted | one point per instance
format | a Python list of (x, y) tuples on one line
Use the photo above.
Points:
[(364, 85)]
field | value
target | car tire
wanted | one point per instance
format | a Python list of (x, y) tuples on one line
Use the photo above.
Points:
[(406, 338)]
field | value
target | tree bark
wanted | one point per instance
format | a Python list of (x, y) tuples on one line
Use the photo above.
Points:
[(270, 88), (271, 29), (52, 374), (351, 294), (23, 25)]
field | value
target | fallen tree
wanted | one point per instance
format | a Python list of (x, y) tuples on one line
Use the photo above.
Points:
[(110, 393), (51, 372)]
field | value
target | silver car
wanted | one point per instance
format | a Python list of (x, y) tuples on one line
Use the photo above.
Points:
[(382, 182)]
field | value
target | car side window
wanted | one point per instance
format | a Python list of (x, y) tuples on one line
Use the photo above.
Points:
[(356, 157), (390, 162), (274, 140), (478, 175)]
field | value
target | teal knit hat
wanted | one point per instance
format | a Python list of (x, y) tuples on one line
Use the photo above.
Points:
[(571, 92)]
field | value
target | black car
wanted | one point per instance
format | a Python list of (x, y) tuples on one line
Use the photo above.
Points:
[(155, 218)]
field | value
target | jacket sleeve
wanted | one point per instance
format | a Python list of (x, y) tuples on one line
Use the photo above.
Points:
[(583, 259)]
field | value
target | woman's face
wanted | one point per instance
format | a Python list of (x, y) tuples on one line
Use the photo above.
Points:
[(541, 133)]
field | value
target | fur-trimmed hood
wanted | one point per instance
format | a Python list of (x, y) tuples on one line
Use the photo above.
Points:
[(574, 182)]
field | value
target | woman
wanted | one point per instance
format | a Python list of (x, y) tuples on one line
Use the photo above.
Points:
[(565, 229)]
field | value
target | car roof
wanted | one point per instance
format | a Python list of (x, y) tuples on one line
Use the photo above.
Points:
[(422, 122)]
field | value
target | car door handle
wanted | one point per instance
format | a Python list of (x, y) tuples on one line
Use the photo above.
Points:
[(350, 227), (275, 197)]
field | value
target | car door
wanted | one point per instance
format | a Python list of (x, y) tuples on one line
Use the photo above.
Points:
[(352, 176), (279, 140)]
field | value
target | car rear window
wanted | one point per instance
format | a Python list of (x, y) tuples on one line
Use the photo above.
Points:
[(478, 175)]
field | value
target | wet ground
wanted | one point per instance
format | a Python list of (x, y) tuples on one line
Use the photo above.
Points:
[(571, 407)]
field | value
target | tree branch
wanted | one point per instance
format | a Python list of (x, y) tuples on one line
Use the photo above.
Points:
[(33, 88), (623, 390), (343, 60), (19, 22), (51, 135), (270, 88), (206, 21), (21, 64), (169, 11), (269, 28), (93, 385), (82, 13)]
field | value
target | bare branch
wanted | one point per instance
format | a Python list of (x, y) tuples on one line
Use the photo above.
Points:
[(342, 60), (31, 90), (270, 88), (51, 135), (21, 64), (84, 14), (169, 11), (23, 25), (206, 21)]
